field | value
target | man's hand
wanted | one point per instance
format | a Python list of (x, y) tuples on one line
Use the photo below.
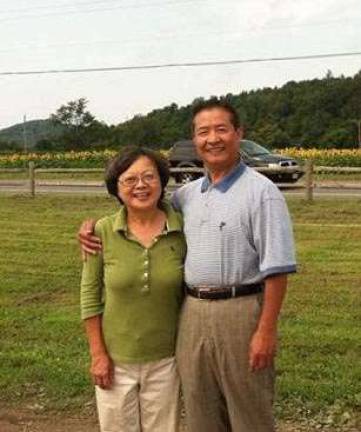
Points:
[(264, 340), (102, 371), (89, 243), (262, 350)]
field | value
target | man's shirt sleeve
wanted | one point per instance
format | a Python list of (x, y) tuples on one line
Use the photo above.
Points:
[(175, 201), (178, 198), (273, 237)]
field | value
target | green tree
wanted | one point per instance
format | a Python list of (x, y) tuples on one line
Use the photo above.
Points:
[(46, 144), (81, 129), (336, 138)]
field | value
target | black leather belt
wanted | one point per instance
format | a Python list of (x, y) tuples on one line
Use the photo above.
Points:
[(221, 293)]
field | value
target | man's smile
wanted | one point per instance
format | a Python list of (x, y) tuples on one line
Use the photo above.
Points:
[(215, 149)]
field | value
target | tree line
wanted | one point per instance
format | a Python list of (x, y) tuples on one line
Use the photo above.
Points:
[(318, 113)]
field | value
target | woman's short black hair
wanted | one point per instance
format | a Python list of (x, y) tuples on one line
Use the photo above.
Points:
[(125, 159)]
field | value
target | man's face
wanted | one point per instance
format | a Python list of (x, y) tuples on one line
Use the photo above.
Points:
[(215, 138)]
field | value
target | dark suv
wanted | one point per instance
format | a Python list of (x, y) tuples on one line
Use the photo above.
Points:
[(281, 169)]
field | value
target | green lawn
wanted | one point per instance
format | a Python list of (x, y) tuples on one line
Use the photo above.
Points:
[(43, 354)]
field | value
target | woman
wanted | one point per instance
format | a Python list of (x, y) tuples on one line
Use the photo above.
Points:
[(130, 299)]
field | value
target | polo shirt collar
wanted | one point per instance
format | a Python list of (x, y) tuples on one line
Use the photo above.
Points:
[(120, 220), (227, 181), (173, 223)]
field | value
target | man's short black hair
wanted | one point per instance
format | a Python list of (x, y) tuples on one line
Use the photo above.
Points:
[(125, 159), (215, 102)]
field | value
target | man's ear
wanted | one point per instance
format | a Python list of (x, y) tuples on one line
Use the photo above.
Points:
[(240, 132)]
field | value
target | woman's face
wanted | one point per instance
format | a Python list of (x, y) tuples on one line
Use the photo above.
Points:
[(139, 186)]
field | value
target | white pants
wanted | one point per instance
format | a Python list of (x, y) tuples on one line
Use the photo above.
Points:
[(144, 398)]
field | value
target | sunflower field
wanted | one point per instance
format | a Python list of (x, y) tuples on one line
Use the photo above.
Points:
[(98, 159)]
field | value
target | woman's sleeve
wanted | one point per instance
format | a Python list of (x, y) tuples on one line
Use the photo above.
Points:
[(91, 288)]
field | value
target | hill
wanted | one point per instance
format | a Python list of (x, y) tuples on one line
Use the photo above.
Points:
[(34, 130)]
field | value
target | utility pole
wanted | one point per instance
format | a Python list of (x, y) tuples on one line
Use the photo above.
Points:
[(25, 138)]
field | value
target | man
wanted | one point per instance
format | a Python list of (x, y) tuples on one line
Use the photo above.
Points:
[(239, 252), (239, 238)]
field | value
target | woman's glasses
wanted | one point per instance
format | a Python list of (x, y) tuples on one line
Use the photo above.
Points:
[(133, 180)]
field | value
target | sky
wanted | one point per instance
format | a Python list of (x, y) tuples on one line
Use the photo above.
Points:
[(76, 34)]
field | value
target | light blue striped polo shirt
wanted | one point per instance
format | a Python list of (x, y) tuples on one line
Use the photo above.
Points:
[(238, 231)]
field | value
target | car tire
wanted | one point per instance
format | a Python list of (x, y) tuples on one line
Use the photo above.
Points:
[(184, 178)]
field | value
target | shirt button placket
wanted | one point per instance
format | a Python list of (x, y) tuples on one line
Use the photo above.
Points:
[(205, 208), (145, 286)]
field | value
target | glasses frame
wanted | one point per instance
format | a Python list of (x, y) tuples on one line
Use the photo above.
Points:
[(137, 178)]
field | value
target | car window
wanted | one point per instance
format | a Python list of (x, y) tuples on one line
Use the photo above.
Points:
[(253, 149)]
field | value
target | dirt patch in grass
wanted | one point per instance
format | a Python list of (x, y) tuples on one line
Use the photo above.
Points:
[(27, 421), (23, 420)]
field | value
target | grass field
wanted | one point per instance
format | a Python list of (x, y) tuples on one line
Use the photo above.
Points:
[(43, 354)]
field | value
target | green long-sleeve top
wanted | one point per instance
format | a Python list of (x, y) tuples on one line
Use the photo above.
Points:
[(137, 290)]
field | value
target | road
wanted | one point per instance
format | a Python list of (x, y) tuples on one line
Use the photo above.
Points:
[(333, 190)]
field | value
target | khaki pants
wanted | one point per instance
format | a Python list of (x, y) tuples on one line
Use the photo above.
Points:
[(221, 394), (143, 398)]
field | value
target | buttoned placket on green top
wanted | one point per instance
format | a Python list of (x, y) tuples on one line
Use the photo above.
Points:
[(137, 290)]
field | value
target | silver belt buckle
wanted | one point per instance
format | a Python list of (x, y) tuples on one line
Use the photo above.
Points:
[(200, 290)]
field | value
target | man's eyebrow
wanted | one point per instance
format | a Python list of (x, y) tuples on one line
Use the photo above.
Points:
[(220, 125)]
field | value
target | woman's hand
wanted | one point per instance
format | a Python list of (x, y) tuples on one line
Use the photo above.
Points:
[(102, 367), (102, 371)]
